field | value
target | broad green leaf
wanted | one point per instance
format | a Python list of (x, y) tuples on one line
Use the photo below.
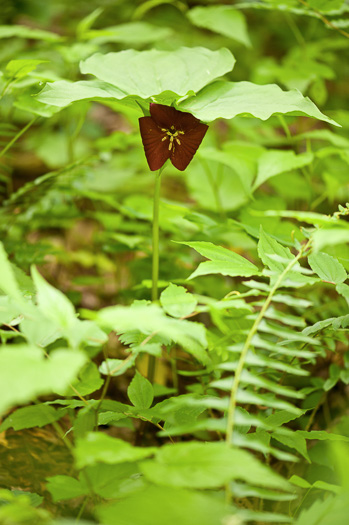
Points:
[(223, 261), (207, 465), (130, 33), (53, 303), (327, 267), (84, 422), (62, 93), (86, 332), (117, 367), (26, 374), (65, 487), (113, 481), (149, 73), (222, 19), (18, 506), (332, 510), (343, 289), (177, 301), (31, 416), (89, 381), (140, 391), (101, 448), (32, 105), (20, 68), (274, 162), (325, 5), (229, 99), (330, 236), (240, 156), (28, 32), (35, 331), (159, 505), (8, 283)]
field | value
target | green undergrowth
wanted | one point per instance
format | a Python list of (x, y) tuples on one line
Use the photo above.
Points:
[(246, 418)]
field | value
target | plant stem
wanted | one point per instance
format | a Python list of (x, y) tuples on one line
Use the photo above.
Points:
[(252, 332), (215, 186), (285, 127), (324, 19), (16, 137), (155, 264)]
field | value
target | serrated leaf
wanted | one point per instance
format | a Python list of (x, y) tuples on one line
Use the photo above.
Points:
[(327, 267), (109, 481), (207, 465), (177, 301), (150, 319), (53, 303), (272, 253), (294, 441), (223, 261), (116, 367), (26, 374), (84, 422), (96, 447), (140, 391), (230, 99), (31, 416), (153, 505), (309, 217), (343, 289), (65, 487)]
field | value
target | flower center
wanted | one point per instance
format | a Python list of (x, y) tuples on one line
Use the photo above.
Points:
[(172, 134)]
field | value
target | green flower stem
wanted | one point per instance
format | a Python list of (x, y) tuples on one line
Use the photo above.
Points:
[(155, 264), (252, 332)]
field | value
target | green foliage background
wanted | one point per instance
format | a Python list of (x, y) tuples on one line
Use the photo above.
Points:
[(247, 419)]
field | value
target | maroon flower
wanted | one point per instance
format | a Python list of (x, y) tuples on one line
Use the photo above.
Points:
[(170, 134)]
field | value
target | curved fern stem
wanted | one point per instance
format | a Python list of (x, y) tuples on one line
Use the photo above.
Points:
[(16, 137), (252, 332)]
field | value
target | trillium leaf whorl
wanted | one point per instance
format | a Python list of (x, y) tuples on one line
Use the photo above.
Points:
[(170, 134)]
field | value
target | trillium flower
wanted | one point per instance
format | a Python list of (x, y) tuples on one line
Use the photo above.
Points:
[(170, 134)]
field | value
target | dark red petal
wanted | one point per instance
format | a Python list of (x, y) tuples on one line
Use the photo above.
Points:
[(156, 150), (190, 142), (167, 116)]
